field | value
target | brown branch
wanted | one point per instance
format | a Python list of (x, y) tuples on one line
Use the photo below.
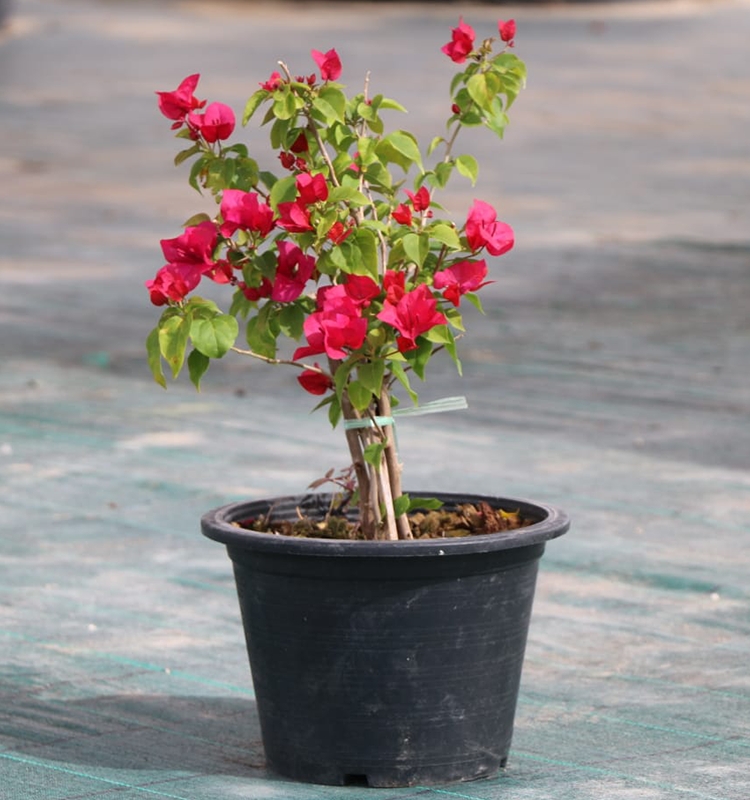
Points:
[(269, 360), (393, 467), (368, 511)]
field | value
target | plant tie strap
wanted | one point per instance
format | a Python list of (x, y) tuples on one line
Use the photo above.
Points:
[(433, 407)]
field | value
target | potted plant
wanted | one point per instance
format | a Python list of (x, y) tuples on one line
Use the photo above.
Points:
[(385, 629)]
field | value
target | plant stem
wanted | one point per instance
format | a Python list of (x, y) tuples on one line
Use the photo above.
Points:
[(393, 467), (269, 360), (322, 149), (368, 507)]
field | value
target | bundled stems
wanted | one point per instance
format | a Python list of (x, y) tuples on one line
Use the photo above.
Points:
[(378, 486), (393, 466)]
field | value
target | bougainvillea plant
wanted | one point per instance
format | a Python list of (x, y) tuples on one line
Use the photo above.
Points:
[(344, 251)]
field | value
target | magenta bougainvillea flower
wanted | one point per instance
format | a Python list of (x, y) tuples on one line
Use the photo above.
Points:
[(255, 293), (414, 314), (273, 83), (483, 229), (177, 104), (300, 144), (507, 31), (294, 217), (328, 63), (339, 232), (311, 188), (361, 289), (394, 284), (420, 199), (215, 124), (244, 211), (456, 280), (402, 214), (461, 43), (173, 282), (334, 330), (293, 271), (314, 381), (194, 246)]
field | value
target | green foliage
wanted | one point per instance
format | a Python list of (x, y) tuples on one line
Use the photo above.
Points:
[(342, 177)]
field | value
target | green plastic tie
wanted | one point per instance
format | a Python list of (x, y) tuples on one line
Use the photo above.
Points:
[(433, 407)]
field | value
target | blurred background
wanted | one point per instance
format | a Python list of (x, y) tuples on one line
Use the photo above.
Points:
[(609, 375)]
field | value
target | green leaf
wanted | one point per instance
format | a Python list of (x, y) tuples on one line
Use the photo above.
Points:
[(416, 247), (458, 79), (435, 143), (259, 335), (425, 503), (202, 306), (483, 88), (454, 318), (173, 338), (253, 103), (401, 505), (468, 167), (400, 373), (196, 172), (497, 119), (440, 334), (283, 191), (475, 301), (214, 336), (196, 219), (228, 172), (245, 173), (268, 178), (373, 454), (443, 172), (292, 320), (240, 306), (183, 155), (197, 366), (347, 194), (238, 148), (385, 102), (215, 180), (445, 234), (400, 148), (367, 244), (418, 358), (326, 113), (370, 375), (335, 99), (341, 376), (285, 104), (359, 395), (334, 412), (377, 175), (279, 133), (153, 351)]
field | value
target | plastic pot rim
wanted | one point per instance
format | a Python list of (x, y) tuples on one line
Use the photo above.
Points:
[(218, 525)]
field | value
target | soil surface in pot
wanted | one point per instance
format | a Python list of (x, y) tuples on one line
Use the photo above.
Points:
[(463, 520)]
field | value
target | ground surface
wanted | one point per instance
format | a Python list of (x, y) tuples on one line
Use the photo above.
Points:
[(609, 376)]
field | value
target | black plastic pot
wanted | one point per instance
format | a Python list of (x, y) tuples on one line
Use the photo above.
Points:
[(385, 663)]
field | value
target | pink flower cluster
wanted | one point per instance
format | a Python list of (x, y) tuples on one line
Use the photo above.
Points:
[(420, 202), (405, 303), (461, 45), (191, 255), (214, 124)]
